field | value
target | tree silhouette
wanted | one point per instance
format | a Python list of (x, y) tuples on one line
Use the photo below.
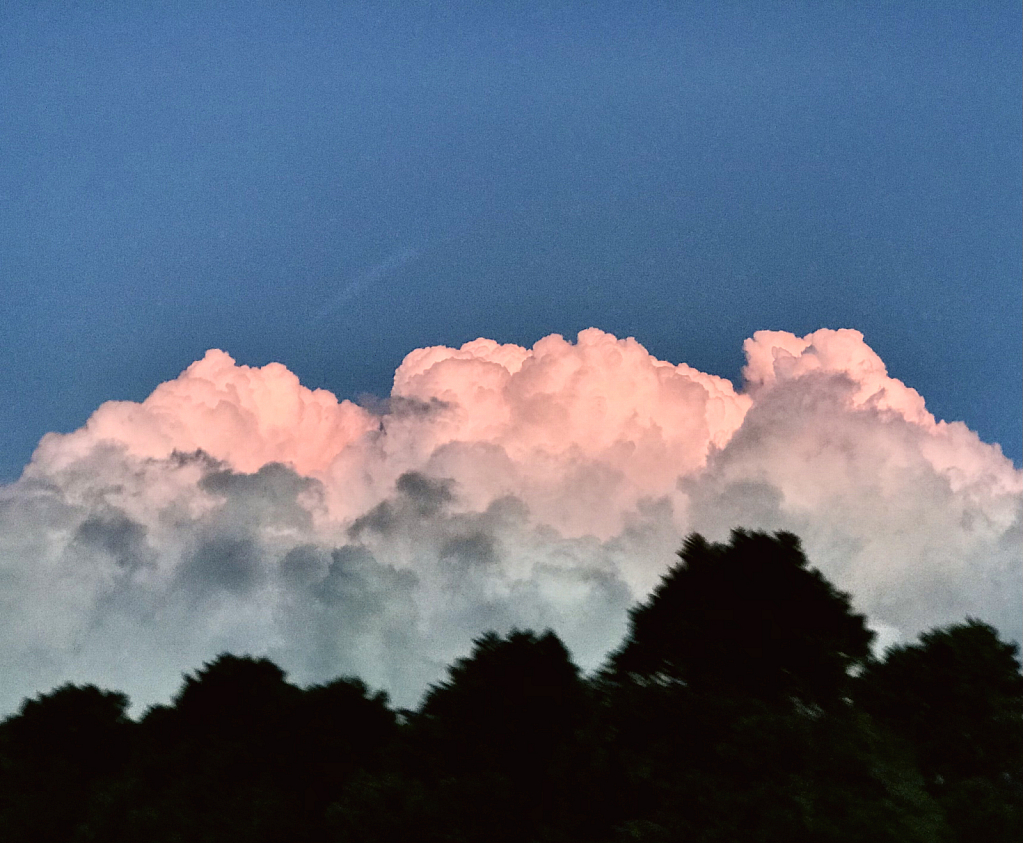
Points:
[(725, 713), (233, 694), (728, 713), (747, 617), (512, 701), (489, 755), (341, 730), (243, 755), (56, 755), (212, 766), (957, 699)]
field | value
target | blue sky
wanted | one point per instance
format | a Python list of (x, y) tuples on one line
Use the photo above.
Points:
[(334, 184)]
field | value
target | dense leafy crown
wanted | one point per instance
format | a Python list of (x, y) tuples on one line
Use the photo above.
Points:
[(747, 616)]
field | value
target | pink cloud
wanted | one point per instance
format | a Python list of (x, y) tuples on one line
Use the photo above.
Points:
[(502, 486)]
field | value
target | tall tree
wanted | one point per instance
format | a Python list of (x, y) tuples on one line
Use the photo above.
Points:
[(727, 715), (512, 701), (56, 756), (746, 617), (956, 697), (489, 755), (243, 755)]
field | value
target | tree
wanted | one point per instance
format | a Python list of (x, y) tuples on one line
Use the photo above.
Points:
[(56, 755), (342, 729), (726, 715), (243, 755), (748, 617), (488, 756), (512, 701), (235, 694), (956, 697)]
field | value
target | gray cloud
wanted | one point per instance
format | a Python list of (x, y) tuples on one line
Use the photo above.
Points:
[(418, 498), (498, 487), (116, 535), (230, 564)]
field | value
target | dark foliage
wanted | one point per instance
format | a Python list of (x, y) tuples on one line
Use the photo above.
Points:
[(747, 617), (57, 755), (728, 714), (240, 755), (512, 703), (490, 755), (957, 699), (674, 764)]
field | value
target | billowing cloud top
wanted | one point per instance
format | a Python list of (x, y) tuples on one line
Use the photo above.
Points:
[(243, 416), (499, 486)]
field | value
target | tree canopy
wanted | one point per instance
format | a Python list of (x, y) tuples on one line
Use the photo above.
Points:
[(514, 697), (748, 616), (956, 698), (743, 704)]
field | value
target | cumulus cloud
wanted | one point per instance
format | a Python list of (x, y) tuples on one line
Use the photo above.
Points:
[(497, 486)]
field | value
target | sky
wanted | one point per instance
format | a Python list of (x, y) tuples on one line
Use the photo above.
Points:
[(807, 218)]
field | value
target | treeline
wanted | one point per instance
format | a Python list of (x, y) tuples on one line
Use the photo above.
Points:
[(743, 705)]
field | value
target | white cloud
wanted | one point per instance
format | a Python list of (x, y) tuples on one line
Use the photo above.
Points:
[(499, 486)]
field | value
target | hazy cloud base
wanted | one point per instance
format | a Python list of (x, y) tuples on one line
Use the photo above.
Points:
[(499, 486)]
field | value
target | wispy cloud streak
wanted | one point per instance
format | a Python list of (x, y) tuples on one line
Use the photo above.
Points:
[(366, 280)]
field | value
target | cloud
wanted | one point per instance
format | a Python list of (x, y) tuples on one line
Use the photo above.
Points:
[(366, 280), (497, 486)]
